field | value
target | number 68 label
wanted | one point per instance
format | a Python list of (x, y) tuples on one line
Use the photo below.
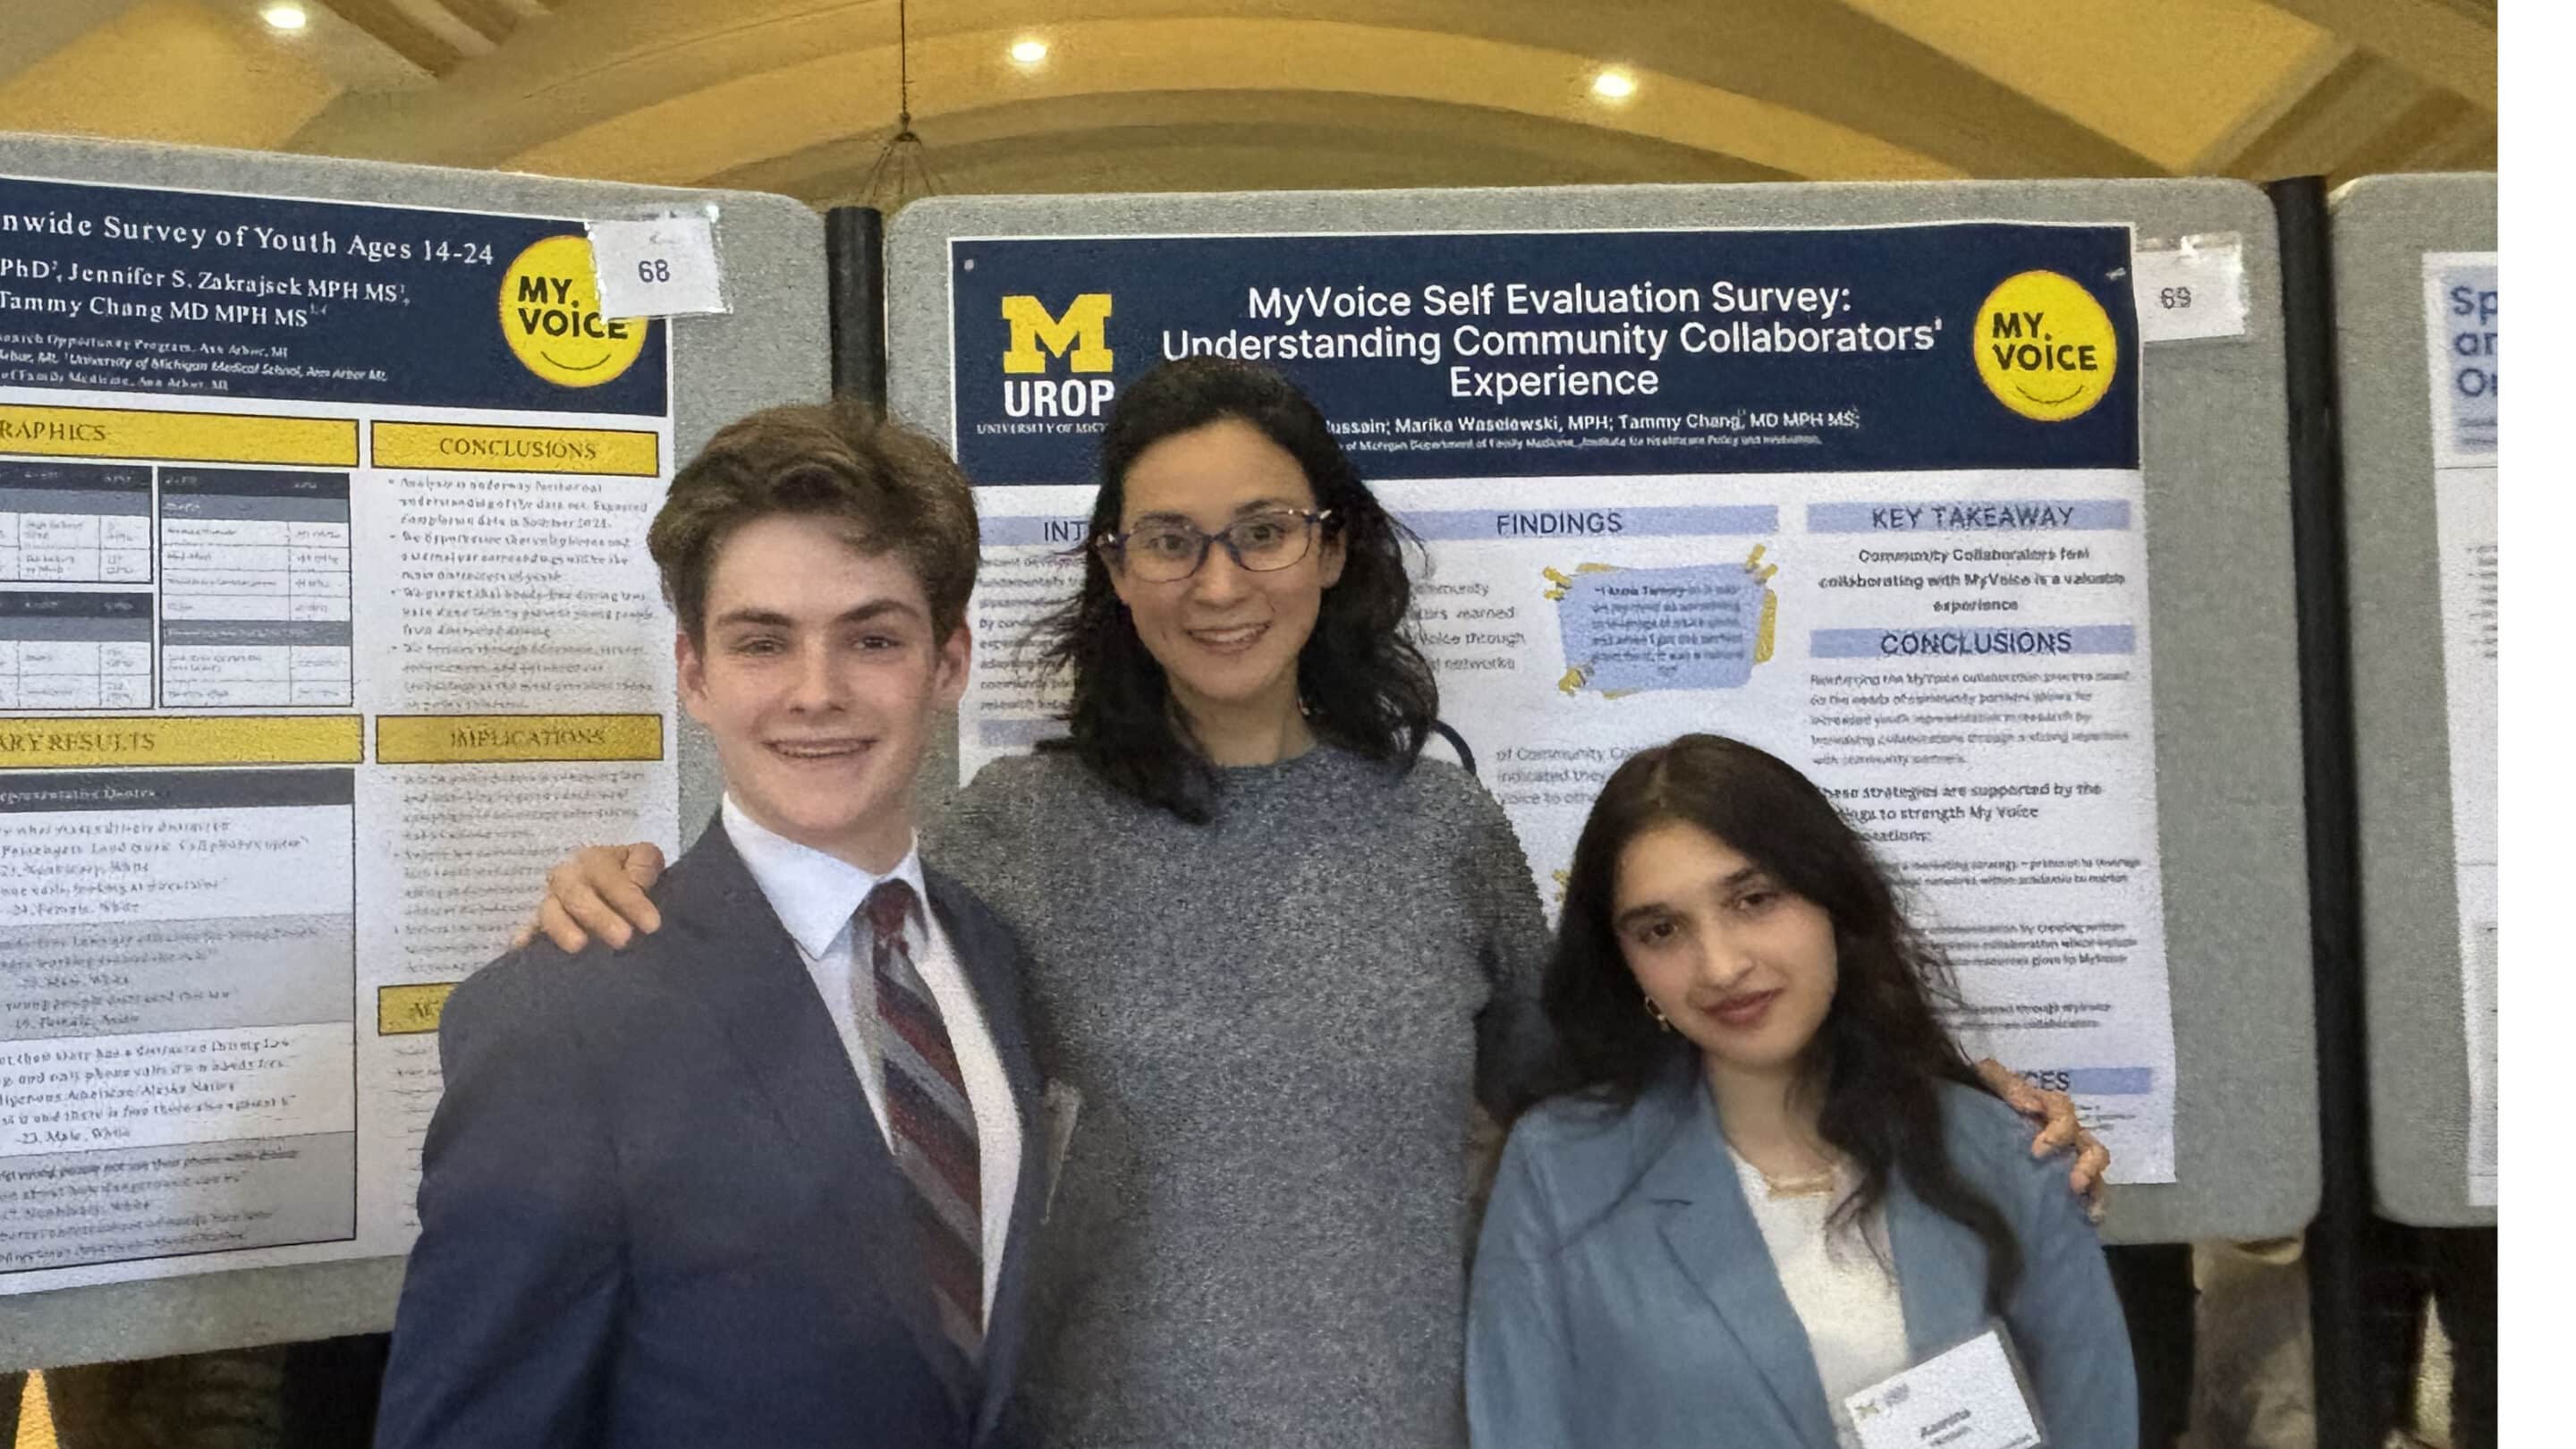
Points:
[(659, 266)]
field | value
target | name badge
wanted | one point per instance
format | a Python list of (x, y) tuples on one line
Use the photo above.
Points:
[(1968, 1397)]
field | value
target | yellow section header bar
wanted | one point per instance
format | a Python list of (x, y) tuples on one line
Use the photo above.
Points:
[(72, 744), (410, 1010), (474, 447), (178, 437), (486, 739)]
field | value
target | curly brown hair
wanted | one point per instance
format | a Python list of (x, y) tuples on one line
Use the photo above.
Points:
[(893, 488)]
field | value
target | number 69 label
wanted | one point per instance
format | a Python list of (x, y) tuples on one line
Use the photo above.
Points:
[(2195, 289)]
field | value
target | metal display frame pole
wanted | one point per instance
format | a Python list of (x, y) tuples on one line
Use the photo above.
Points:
[(2338, 1245)]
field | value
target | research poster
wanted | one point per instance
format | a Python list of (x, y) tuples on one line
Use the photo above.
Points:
[(1867, 497), (325, 622), (2460, 330)]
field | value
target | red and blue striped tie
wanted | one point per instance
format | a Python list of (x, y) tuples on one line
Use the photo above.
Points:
[(931, 1124)]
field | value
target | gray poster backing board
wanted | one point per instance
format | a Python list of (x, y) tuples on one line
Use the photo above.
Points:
[(2223, 620), (772, 348), (2419, 1074)]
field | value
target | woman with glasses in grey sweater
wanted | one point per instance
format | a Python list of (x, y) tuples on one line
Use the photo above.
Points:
[(1282, 957)]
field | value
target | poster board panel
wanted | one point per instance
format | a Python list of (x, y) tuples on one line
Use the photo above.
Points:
[(2213, 450), (2416, 956), (210, 589)]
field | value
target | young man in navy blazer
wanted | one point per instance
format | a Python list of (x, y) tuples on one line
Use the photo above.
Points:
[(768, 1177)]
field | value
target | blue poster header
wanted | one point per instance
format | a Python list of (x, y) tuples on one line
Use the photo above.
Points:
[(120, 289), (1955, 345)]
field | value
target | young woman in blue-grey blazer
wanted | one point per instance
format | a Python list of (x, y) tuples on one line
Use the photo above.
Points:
[(1762, 1177)]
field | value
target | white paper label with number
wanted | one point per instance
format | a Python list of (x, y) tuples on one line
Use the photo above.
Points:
[(1966, 1398), (659, 266), (2193, 290)]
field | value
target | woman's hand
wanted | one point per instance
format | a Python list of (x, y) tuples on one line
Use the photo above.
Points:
[(2059, 1129), (599, 888)]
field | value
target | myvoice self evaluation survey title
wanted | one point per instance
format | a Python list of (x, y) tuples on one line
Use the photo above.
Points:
[(1503, 341)]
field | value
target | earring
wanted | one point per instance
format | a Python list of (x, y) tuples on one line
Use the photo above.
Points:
[(1657, 1013)]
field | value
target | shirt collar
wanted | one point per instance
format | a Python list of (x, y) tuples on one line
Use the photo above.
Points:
[(814, 894)]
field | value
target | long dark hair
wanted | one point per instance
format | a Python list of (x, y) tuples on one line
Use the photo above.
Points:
[(1875, 1065), (1363, 684)]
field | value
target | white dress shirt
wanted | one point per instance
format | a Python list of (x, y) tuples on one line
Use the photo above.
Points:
[(1842, 1286), (817, 898)]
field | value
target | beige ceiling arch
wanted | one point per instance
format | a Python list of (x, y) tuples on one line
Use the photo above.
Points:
[(848, 93), (182, 74), (1253, 94), (1216, 140), (2166, 78), (1816, 57), (2451, 43)]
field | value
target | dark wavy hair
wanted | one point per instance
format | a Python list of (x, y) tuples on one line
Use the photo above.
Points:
[(1875, 1065), (1363, 684)]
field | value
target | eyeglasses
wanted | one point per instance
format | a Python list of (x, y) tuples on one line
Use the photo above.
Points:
[(1166, 552)]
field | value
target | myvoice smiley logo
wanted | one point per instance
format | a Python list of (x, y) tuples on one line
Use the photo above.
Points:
[(2045, 348), (550, 317)]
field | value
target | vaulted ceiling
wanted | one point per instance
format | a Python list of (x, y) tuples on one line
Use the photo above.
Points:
[(800, 96)]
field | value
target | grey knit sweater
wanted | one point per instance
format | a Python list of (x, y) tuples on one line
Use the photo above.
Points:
[(1276, 1021)]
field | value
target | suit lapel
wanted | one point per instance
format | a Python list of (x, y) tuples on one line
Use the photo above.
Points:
[(991, 965), (784, 1037), (1716, 1243)]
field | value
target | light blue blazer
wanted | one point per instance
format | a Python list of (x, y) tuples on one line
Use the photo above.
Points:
[(1623, 1294)]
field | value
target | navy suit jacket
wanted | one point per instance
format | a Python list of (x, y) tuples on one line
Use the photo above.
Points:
[(1624, 1294), (656, 1209)]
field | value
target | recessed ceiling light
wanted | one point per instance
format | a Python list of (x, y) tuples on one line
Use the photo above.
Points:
[(283, 17), (1614, 85), (1029, 52)]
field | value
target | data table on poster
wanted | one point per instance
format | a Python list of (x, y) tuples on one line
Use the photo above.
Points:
[(177, 996), (255, 587), (61, 650), (75, 523)]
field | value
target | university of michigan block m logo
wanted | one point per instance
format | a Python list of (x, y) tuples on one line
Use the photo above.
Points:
[(1080, 336)]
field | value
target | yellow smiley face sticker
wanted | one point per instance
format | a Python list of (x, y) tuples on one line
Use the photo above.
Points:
[(550, 317), (2045, 347)]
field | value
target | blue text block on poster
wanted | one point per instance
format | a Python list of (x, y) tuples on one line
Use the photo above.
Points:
[(1694, 627)]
